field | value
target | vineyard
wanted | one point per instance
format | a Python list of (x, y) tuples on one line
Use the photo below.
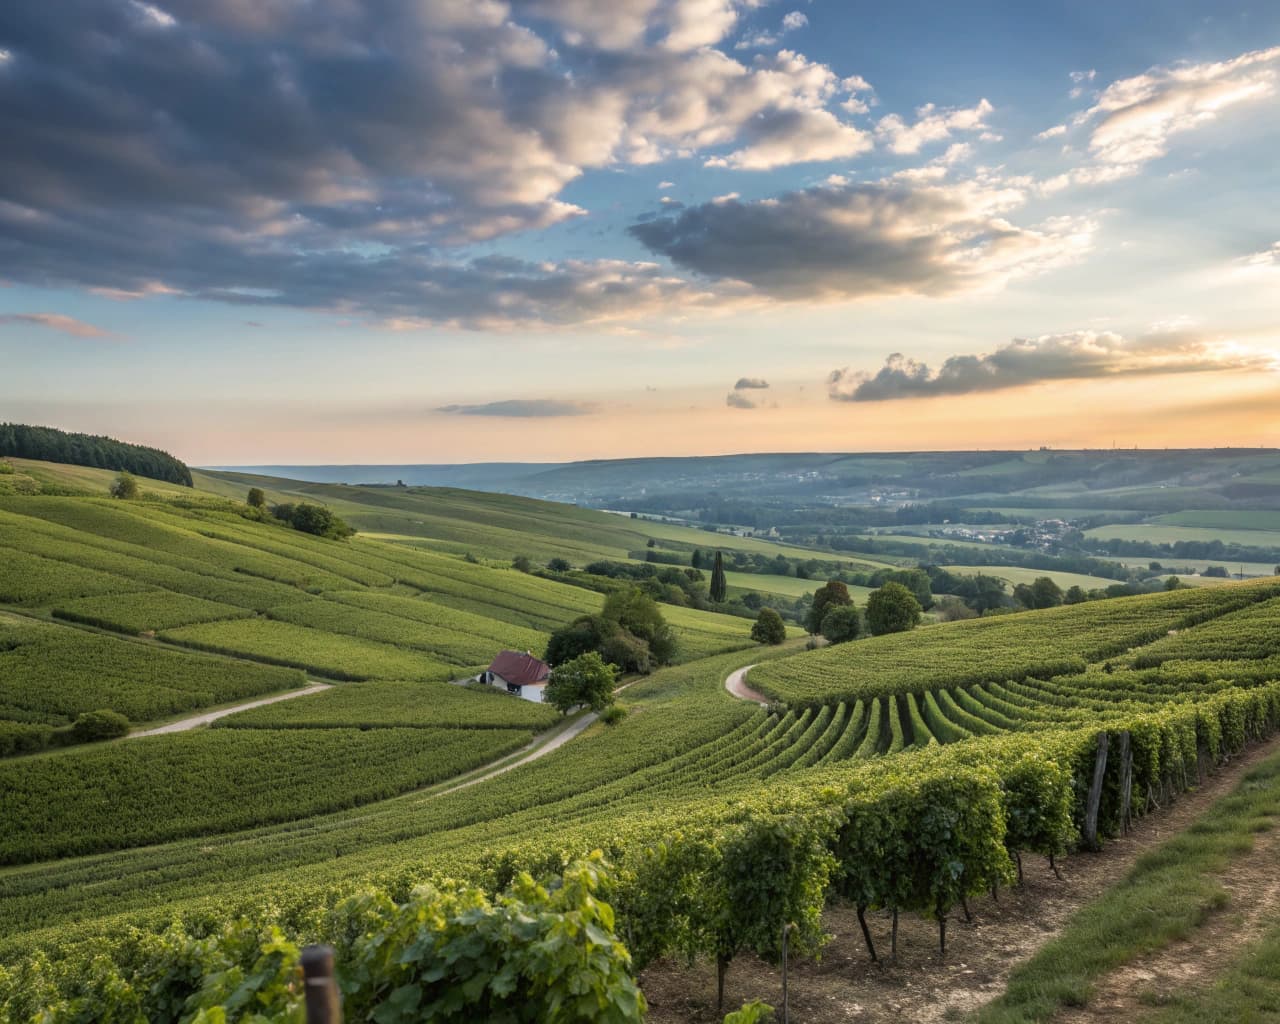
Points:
[(904, 774)]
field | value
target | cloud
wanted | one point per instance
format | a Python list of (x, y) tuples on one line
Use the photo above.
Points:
[(869, 239), (522, 408), (1081, 355), (790, 22), (932, 124), (737, 400), (1265, 258), (56, 322), (751, 384), (350, 140), (1135, 118)]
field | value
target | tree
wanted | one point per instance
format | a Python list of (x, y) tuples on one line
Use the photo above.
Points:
[(696, 559), (587, 680), (521, 563), (638, 614), (769, 628), (1075, 595), (125, 487), (559, 565), (719, 584), (892, 609), (583, 634), (1173, 583), (917, 581), (1047, 593), (257, 497), (833, 593), (841, 623)]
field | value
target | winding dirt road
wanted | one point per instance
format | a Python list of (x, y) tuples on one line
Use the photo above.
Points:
[(555, 742), (183, 724), (736, 684)]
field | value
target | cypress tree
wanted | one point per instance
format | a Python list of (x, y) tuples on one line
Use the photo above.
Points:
[(719, 585)]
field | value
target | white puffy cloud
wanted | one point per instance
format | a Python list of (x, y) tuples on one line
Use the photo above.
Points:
[(932, 124), (1134, 118)]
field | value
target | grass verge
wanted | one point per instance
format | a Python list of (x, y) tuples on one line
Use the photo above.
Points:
[(1168, 893)]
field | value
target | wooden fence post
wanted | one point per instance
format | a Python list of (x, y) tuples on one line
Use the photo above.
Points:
[(786, 1007), (1126, 781), (1090, 835), (324, 1003)]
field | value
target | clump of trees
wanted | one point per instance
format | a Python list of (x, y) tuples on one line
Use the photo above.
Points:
[(628, 633), (832, 594), (1041, 592), (51, 445), (585, 681), (313, 519), (841, 624), (769, 628)]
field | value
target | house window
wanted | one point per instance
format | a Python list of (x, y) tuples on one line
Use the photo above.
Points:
[(513, 688)]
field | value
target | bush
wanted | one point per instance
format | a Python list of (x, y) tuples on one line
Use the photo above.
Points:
[(256, 497), (521, 563), (125, 487), (769, 628), (559, 565), (613, 715), (6, 469), (314, 519), (99, 725)]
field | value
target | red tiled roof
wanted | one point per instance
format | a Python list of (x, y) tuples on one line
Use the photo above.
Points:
[(519, 668)]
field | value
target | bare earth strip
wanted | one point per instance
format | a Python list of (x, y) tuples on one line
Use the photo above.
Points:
[(736, 684), (183, 724), (980, 955), (540, 747)]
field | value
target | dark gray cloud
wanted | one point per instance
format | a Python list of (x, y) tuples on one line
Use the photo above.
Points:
[(737, 400), (854, 240), (750, 383), (332, 154), (1082, 355), (522, 408)]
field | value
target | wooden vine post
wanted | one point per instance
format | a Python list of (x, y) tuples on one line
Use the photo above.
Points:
[(324, 1003), (1090, 833), (786, 1008), (1126, 781)]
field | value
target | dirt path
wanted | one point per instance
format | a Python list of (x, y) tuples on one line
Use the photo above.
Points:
[(1253, 887), (736, 684), (844, 986), (555, 742), (183, 724)]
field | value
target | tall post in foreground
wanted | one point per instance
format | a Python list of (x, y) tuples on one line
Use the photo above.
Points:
[(324, 1003), (1090, 831)]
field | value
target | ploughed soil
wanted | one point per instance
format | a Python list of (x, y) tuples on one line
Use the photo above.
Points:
[(924, 987)]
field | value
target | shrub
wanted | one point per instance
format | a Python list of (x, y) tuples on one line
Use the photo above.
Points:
[(613, 715), (99, 725), (125, 487)]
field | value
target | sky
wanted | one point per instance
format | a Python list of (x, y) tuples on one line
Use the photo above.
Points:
[(328, 231)]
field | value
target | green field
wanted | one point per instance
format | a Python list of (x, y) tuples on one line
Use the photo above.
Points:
[(900, 772), (1160, 534), (1015, 575), (1224, 519), (786, 586)]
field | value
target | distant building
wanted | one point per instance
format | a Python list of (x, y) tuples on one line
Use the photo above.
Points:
[(519, 674)]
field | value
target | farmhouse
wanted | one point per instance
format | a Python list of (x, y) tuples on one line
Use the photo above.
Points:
[(520, 674)]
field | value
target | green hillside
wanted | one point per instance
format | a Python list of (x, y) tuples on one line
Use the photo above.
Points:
[(279, 812)]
